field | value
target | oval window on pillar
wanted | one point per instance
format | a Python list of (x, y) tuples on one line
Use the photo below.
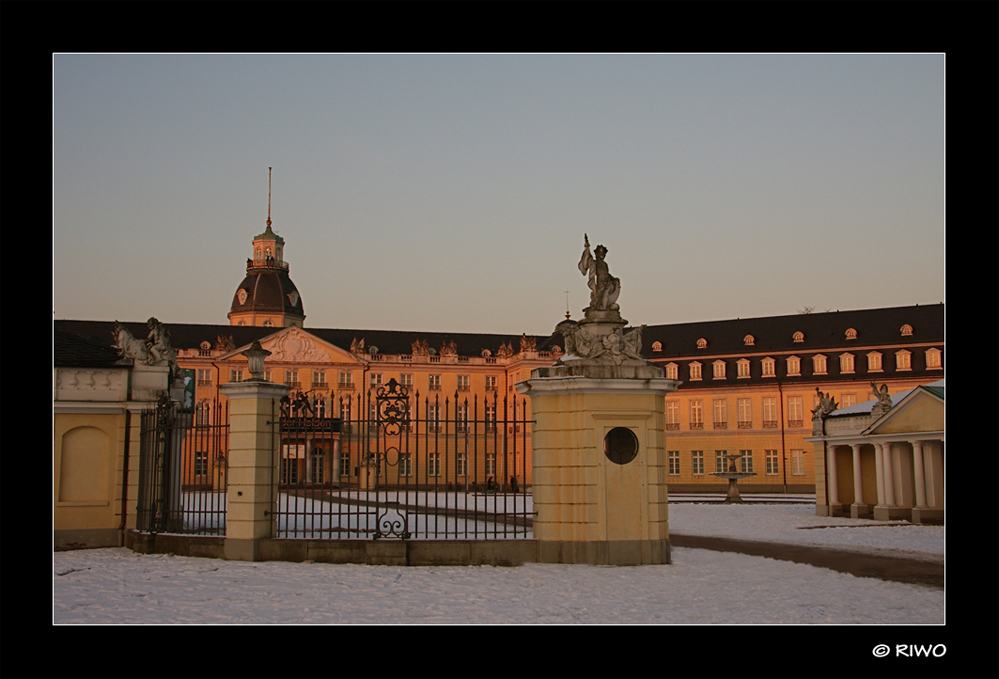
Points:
[(620, 445)]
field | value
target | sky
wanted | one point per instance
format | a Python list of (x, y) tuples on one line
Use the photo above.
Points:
[(452, 192)]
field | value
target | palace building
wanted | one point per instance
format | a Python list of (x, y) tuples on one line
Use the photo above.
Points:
[(747, 385)]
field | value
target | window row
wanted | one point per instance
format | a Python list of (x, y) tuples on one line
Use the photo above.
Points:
[(694, 462), (795, 413), (792, 364), (346, 379), (432, 465), (749, 340)]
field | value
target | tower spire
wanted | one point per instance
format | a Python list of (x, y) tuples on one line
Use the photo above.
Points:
[(269, 197)]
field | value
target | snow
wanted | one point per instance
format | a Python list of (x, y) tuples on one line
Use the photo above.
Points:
[(118, 586)]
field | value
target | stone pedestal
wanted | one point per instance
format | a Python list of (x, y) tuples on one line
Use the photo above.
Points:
[(149, 382), (600, 468), (253, 440)]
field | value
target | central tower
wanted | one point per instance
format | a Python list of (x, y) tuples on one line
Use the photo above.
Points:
[(267, 297)]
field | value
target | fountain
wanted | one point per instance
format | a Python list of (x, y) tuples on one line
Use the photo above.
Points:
[(733, 476)]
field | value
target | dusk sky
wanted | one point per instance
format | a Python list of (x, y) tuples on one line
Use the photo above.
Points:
[(452, 192)]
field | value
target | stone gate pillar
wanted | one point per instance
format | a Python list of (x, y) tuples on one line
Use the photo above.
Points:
[(254, 410), (599, 444)]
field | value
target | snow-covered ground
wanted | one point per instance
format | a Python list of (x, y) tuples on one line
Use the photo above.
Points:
[(109, 586)]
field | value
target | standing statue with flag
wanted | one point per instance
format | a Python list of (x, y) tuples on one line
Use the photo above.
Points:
[(604, 288)]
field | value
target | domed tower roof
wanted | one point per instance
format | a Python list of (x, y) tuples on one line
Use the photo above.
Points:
[(267, 296)]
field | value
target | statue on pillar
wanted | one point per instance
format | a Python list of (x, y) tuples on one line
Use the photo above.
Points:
[(604, 288), (884, 403)]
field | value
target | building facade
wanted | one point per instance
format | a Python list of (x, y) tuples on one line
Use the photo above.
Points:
[(747, 385)]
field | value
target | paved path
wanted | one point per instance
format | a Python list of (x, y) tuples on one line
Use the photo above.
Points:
[(897, 569)]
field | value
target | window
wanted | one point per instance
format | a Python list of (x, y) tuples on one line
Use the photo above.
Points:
[(346, 380), (702, 343), (695, 371), (933, 359), (204, 377), (720, 411), (749, 340), (771, 462), (797, 463), (345, 412), (906, 330), (463, 382), (434, 382), (235, 375), (461, 417), (672, 371), (459, 464), (433, 418), (490, 464), (375, 380), (874, 362), (406, 380), (203, 412), (846, 363), (793, 366), (491, 417), (291, 379), (201, 464), (657, 346), (205, 349), (696, 415), (672, 415), (768, 367), (345, 463), (490, 382), (318, 378), (697, 462), (851, 334), (746, 461), (433, 464), (848, 400), (903, 360), (745, 408), (320, 406), (794, 411), (267, 374), (405, 464), (718, 370), (798, 337), (673, 458), (742, 366), (819, 364), (770, 414), (721, 461), (316, 465)]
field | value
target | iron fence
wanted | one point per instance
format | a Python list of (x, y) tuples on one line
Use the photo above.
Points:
[(395, 465), (183, 465)]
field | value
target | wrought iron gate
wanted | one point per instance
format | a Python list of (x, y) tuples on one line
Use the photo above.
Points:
[(183, 469), (396, 466)]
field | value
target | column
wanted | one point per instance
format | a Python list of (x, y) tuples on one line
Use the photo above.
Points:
[(857, 509), (832, 489), (879, 470), (254, 408), (889, 476), (918, 473)]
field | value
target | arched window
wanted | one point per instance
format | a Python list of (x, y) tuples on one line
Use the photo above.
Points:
[(906, 330), (657, 346), (701, 343), (851, 334), (799, 336)]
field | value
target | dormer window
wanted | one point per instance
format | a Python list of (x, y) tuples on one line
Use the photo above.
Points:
[(819, 364), (846, 363), (672, 371), (906, 330), (874, 362), (933, 359), (702, 343), (742, 366), (718, 368), (695, 371), (851, 334), (793, 366), (657, 346), (749, 340), (903, 360), (798, 337), (769, 367)]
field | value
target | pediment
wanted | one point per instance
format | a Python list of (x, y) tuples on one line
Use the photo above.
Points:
[(919, 411), (295, 345)]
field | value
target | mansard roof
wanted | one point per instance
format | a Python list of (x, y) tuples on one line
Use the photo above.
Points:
[(190, 336), (822, 331), (70, 349)]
